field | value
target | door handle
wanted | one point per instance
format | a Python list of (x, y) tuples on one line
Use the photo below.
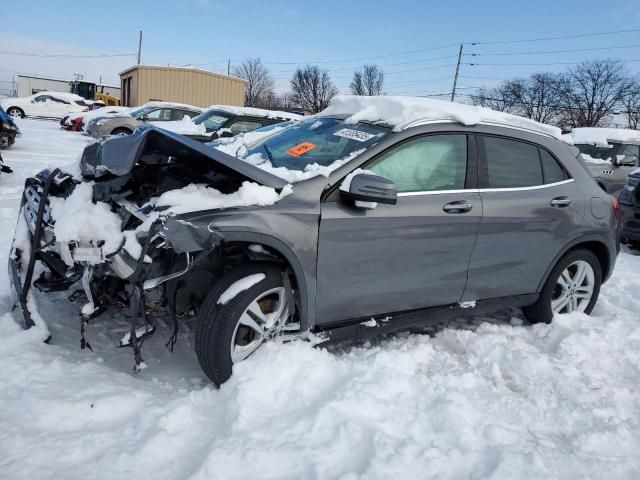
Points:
[(560, 202), (459, 206)]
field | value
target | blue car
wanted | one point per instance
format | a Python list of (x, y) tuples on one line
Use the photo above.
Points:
[(8, 130)]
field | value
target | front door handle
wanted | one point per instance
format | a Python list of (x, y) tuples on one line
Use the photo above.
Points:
[(560, 202), (459, 206)]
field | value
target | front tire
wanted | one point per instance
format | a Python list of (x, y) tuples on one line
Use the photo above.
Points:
[(573, 286), (121, 132), (229, 333), (15, 112)]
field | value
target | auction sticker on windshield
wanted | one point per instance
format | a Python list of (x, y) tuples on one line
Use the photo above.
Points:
[(354, 134), (301, 149)]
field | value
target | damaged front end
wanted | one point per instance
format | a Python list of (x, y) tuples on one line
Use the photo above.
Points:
[(105, 230)]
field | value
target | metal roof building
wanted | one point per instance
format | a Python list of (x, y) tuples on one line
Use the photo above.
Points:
[(143, 83)]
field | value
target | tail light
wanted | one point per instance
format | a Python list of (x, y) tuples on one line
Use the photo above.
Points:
[(617, 211)]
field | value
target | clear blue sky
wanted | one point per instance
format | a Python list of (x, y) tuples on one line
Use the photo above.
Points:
[(208, 32)]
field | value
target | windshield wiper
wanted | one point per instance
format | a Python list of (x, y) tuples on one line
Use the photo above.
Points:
[(266, 149)]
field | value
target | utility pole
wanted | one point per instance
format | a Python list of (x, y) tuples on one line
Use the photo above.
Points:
[(139, 46), (228, 67), (455, 78)]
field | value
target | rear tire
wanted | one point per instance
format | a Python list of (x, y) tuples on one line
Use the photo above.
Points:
[(15, 112), (121, 132), (220, 335), (573, 285)]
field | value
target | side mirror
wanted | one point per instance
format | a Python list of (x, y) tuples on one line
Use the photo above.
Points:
[(367, 190)]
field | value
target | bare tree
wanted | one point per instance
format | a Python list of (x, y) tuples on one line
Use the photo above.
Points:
[(368, 81), (539, 97), (631, 105), (312, 88), (259, 89), (594, 91), (500, 98)]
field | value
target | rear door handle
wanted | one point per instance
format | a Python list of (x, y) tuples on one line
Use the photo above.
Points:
[(560, 202), (459, 206)]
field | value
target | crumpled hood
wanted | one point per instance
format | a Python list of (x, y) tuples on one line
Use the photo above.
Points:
[(118, 155)]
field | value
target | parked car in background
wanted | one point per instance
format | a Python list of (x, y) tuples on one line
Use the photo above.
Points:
[(75, 121), (630, 203), (227, 121), (379, 214), (151, 113), (8, 130), (44, 104), (610, 153)]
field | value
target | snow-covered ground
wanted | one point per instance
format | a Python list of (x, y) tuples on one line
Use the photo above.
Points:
[(490, 400)]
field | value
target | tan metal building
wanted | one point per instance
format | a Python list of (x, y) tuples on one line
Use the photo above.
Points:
[(143, 83)]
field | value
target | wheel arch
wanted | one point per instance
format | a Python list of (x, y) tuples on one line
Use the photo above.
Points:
[(288, 256), (597, 243)]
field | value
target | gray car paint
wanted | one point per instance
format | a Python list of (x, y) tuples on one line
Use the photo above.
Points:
[(351, 263)]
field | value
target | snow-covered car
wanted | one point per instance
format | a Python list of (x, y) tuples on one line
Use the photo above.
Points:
[(151, 113), (610, 153), (8, 130), (227, 121), (75, 121), (379, 214), (44, 104)]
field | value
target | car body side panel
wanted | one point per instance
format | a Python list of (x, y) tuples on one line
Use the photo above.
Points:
[(395, 257), (519, 235)]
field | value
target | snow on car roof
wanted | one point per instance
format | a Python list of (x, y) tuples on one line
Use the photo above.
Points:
[(256, 112), (403, 112), (603, 136), (159, 103), (69, 97)]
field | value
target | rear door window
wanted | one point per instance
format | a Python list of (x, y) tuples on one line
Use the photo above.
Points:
[(510, 163), (551, 170)]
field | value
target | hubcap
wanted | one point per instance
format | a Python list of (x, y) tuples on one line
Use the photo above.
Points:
[(264, 318), (15, 113), (574, 288)]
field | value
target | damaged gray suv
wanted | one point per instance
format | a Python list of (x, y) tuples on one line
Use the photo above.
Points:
[(336, 228)]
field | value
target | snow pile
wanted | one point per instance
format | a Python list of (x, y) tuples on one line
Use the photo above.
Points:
[(602, 137), (193, 198), (401, 112), (77, 218), (237, 146), (183, 127), (256, 112), (240, 286)]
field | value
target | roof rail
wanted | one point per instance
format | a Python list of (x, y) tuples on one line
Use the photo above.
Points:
[(416, 123)]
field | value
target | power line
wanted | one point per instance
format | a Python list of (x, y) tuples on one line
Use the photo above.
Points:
[(64, 55), (407, 52), (555, 51), (529, 64), (563, 37)]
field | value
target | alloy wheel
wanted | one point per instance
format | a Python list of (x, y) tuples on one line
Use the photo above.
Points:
[(574, 288), (264, 319)]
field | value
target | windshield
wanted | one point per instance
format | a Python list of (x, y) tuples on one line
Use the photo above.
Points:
[(321, 141), (595, 152), (212, 120)]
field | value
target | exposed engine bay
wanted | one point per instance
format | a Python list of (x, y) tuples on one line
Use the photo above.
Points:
[(107, 229)]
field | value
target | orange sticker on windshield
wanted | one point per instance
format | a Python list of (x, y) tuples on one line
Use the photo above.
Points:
[(301, 149)]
